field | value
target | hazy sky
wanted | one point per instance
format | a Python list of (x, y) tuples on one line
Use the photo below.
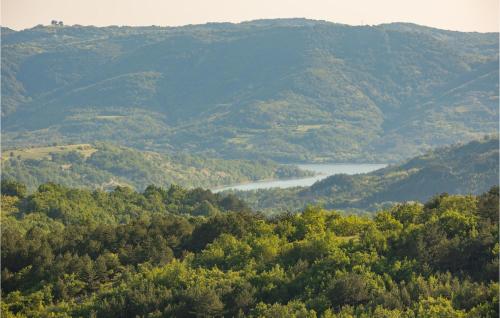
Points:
[(463, 15)]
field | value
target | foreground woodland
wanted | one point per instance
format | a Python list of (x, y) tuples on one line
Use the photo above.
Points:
[(191, 253)]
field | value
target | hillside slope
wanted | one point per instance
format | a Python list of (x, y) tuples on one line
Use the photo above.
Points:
[(105, 166), (290, 90), (469, 168)]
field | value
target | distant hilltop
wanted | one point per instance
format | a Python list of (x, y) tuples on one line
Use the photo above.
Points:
[(56, 23), (291, 90)]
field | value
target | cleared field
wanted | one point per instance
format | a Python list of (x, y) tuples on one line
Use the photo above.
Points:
[(44, 152), (240, 139), (109, 117), (306, 128)]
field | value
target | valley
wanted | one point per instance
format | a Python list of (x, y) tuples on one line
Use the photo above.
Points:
[(322, 171), (283, 167), (458, 169)]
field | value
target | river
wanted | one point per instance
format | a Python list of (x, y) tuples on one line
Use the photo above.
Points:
[(323, 171)]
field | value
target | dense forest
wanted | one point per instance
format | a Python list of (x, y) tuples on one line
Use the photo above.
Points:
[(105, 166), (470, 168), (286, 89), (191, 253), (112, 135)]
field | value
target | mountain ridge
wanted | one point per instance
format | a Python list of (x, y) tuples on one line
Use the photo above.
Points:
[(264, 21), (288, 90)]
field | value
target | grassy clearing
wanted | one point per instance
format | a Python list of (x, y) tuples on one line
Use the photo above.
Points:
[(462, 109), (109, 117), (240, 139), (306, 128), (44, 152)]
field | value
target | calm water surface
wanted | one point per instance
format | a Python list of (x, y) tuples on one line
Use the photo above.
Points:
[(322, 170)]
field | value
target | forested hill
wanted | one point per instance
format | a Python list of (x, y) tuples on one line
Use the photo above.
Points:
[(289, 89), (459, 169), (191, 253), (105, 166)]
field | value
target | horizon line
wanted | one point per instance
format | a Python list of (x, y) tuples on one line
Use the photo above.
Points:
[(242, 22)]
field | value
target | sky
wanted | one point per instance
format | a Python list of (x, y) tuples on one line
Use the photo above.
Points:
[(460, 15)]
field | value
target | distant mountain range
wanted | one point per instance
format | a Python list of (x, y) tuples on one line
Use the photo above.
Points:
[(289, 90), (469, 168)]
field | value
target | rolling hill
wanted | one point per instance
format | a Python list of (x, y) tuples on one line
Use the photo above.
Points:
[(469, 168), (105, 166), (288, 89)]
